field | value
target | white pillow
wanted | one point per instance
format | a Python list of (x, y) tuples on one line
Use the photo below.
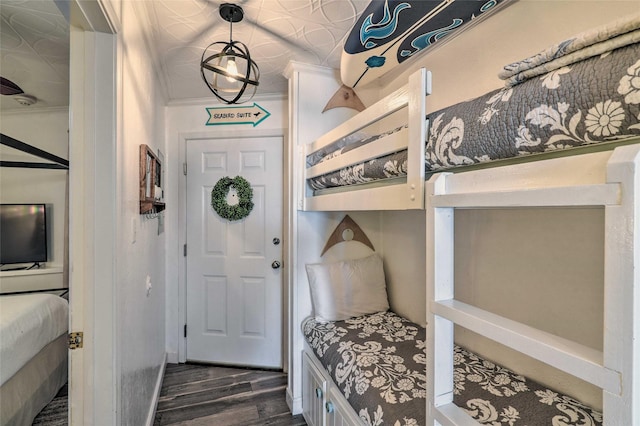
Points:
[(348, 288)]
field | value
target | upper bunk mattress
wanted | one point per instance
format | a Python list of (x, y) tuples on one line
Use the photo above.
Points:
[(378, 362), (591, 101), (28, 322)]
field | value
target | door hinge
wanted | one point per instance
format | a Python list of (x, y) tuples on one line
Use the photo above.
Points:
[(185, 330), (184, 250), (184, 168), (76, 340)]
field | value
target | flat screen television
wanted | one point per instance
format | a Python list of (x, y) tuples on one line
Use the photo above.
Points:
[(23, 233)]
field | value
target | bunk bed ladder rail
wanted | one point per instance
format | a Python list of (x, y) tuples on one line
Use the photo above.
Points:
[(398, 197), (613, 369)]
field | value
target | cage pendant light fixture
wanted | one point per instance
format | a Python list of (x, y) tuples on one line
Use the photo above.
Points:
[(227, 68)]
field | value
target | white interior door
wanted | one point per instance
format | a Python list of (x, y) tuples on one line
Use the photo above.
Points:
[(234, 293)]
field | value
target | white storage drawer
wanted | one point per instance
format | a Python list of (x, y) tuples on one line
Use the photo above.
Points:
[(322, 402), (314, 388)]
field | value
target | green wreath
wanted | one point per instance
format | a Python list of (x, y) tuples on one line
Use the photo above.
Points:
[(219, 198)]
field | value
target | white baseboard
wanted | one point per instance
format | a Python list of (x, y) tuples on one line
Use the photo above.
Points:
[(156, 393), (295, 404), (172, 358)]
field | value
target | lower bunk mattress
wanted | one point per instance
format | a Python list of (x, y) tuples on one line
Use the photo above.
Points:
[(378, 362), (588, 102)]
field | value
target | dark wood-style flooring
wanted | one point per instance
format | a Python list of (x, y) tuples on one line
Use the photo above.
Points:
[(196, 394), (55, 414)]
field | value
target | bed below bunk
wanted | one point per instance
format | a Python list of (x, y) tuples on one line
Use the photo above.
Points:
[(33, 349), (378, 362), (591, 101)]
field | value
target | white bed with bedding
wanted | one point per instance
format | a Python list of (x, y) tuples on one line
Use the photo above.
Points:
[(33, 354)]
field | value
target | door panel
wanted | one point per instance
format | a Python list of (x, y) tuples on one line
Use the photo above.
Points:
[(234, 297)]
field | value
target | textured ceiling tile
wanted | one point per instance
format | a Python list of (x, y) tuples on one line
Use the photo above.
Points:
[(276, 31), (180, 20), (9, 39), (52, 48), (16, 71), (326, 12), (34, 51), (33, 26)]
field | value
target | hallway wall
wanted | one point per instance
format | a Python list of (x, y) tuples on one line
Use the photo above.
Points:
[(140, 248)]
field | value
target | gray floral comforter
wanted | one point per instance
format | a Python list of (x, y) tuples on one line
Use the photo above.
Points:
[(591, 101), (495, 396), (378, 362)]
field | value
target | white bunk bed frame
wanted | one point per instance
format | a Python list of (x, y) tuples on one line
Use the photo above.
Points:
[(402, 196), (609, 179)]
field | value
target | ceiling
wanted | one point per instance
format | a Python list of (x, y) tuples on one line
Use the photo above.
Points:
[(34, 50)]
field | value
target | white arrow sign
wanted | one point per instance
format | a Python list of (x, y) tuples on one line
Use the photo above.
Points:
[(250, 114)]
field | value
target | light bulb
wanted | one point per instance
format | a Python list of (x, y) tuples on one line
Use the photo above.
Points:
[(232, 69)]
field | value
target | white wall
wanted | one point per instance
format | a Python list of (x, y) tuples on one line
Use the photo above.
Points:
[(541, 267), (185, 120), (398, 236), (46, 129), (404, 247), (140, 251)]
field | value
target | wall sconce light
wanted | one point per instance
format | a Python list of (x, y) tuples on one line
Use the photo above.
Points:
[(227, 68)]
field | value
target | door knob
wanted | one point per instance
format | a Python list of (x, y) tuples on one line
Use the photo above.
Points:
[(276, 241), (275, 264)]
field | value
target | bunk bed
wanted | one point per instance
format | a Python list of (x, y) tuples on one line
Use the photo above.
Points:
[(33, 328), (374, 162), (553, 148)]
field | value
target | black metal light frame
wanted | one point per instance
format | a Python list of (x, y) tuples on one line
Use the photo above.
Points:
[(234, 50)]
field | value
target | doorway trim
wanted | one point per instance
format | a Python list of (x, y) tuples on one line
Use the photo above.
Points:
[(93, 130), (184, 138)]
